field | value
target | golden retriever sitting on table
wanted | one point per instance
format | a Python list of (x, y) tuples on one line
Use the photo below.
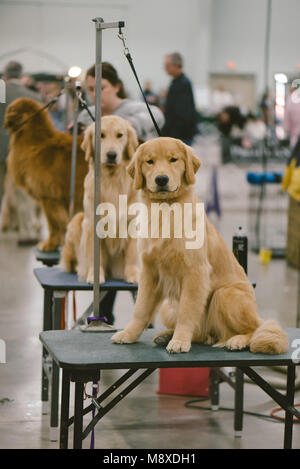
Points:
[(118, 256), (40, 163), (203, 294)]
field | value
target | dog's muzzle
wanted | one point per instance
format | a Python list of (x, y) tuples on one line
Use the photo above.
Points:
[(162, 181), (111, 157)]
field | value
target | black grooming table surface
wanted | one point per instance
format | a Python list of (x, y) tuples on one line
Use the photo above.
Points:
[(53, 278), (48, 258), (82, 350)]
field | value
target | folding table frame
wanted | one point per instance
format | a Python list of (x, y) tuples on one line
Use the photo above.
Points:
[(56, 284), (82, 357)]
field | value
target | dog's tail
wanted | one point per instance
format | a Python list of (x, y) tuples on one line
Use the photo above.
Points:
[(269, 338)]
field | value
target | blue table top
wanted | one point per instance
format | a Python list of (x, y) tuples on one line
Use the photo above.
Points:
[(79, 350), (54, 279)]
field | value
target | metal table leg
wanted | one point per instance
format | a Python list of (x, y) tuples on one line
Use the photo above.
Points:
[(56, 325), (214, 381), (47, 325), (78, 415), (64, 414), (238, 402), (290, 392)]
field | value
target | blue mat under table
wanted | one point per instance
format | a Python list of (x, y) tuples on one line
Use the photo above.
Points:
[(82, 356)]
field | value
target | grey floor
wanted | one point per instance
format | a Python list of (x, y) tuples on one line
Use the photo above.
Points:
[(144, 419)]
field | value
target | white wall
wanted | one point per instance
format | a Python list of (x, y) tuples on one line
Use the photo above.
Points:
[(64, 35), (206, 32), (238, 34)]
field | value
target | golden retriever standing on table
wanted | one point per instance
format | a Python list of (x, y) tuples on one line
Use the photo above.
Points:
[(118, 256), (40, 162), (204, 293)]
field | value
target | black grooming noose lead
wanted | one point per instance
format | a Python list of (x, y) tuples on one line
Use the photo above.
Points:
[(130, 61), (50, 103)]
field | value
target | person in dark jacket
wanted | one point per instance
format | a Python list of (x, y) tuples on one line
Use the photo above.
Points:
[(180, 111)]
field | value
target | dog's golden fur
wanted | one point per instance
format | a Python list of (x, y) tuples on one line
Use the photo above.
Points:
[(40, 162), (118, 257), (203, 294)]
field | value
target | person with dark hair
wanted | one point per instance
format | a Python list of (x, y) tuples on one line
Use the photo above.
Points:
[(180, 111), (114, 101)]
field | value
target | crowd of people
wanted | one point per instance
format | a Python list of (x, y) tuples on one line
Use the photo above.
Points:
[(174, 109), (174, 113)]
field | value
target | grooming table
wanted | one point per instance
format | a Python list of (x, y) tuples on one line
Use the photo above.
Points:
[(82, 356), (48, 258), (56, 285)]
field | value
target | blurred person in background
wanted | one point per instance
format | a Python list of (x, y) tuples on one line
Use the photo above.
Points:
[(291, 123), (114, 101), (56, 110), (230, 123), (179, 108), (29, 82), (266, 107), (151, 97), (221, 98), (255, 128)]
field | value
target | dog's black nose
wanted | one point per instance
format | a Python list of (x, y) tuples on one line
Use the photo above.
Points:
[(162, 180), (111, 156)]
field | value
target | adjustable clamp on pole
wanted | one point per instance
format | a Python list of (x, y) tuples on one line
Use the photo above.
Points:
[(122, 37), (84, 104)]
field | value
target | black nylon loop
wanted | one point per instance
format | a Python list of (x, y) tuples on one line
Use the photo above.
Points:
[(129, 58)]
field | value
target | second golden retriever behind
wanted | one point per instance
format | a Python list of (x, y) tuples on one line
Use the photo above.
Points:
[(118, 257)]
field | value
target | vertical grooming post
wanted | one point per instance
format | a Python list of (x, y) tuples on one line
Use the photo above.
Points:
[(74, 151), (97, 182), (67, 102), (100, 25)]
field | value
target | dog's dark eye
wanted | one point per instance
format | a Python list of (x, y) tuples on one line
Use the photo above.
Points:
[(102, 135), (172, 160), (150, 161), (119, 135)]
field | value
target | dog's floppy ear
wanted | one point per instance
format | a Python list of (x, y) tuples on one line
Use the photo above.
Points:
[(88, 142), (192, 164), (134, 169), (132, 142)]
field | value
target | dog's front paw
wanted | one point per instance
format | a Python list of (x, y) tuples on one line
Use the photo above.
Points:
[(237, 342), (178, 346), (102, 275), (131, 274), (123, 337), (65, 266), (90, 276)]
